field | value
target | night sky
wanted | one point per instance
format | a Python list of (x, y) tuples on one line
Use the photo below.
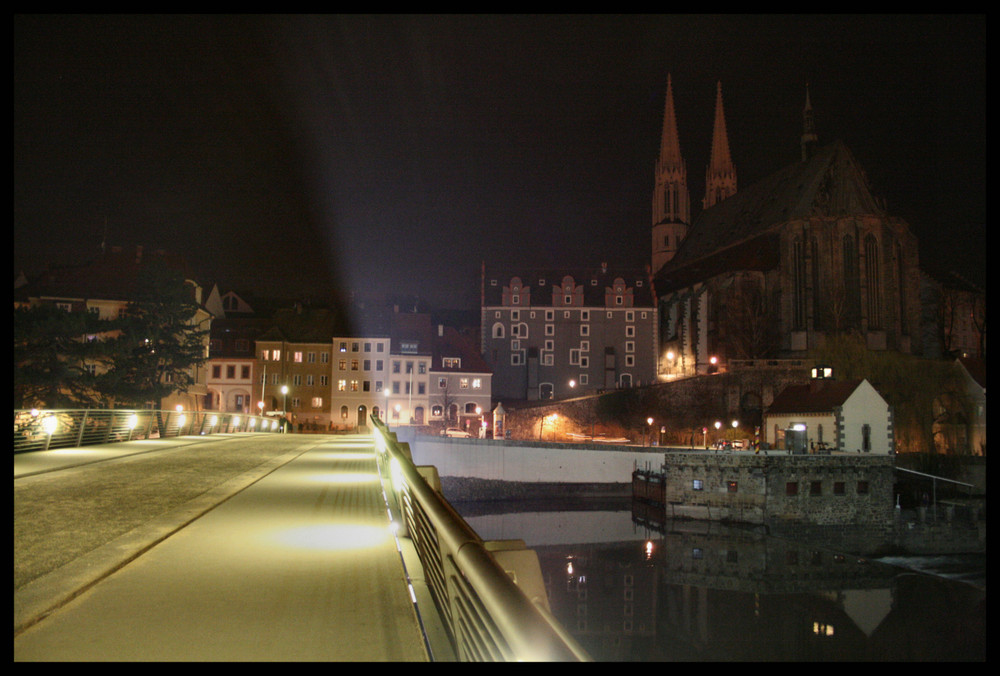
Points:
[(393, 154)]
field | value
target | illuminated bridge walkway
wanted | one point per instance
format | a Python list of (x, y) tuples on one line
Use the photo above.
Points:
[(224, 548)]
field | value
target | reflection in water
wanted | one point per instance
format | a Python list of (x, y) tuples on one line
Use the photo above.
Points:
[(702, 591)]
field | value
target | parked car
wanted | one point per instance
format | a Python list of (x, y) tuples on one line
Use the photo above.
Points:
[(455, 432)]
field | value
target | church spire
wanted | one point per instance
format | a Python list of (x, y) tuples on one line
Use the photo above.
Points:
[(809, 138), (720, 179), (671, 200)]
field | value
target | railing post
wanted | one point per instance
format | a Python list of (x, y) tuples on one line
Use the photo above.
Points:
[(83, 425)]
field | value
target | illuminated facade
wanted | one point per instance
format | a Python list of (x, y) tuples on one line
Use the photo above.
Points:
[(552, 334)]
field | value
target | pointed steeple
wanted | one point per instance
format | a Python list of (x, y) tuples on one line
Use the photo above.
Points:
[(720, 179), (670, 145), (671, 199), (809, 138)]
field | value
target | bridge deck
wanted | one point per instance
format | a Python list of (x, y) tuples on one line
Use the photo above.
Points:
[(246, 548)]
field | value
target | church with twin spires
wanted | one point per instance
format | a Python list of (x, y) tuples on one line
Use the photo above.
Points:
[(770, 270)]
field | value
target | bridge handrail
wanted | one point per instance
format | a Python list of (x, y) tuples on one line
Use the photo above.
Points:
[(42, 429), (488, 616)]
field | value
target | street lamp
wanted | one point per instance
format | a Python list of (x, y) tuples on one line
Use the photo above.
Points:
[(649, 429), (49, 424), (718, 426), (541, 425)]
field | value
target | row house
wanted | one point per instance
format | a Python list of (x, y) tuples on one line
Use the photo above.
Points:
[(320, 375), (295, 378), (360, 373), (461, 383), (551, 334)]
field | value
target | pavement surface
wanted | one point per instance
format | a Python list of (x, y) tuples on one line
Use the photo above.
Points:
[(229, 548)]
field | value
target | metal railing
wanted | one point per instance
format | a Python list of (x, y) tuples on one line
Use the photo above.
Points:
[(483, 603), (41, 429)]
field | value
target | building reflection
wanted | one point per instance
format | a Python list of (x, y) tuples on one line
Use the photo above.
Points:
[(702, 591)]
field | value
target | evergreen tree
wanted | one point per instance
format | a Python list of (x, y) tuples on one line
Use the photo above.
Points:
[(54, 350), (157, 346)]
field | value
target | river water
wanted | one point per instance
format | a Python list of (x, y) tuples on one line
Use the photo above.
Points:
[(700, 591)]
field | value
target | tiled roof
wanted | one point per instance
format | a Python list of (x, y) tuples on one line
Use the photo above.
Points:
[(594, 282), (819, 396), (451, 343), (829, 184)]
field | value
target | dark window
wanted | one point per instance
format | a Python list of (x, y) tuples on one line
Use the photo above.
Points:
[(792, 488), (731, 486), (862, 488), (838, 488), (816, 488)]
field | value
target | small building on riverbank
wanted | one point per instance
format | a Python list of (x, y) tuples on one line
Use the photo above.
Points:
[(774, 489), (826, 414)]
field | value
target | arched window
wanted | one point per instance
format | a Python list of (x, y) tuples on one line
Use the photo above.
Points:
[(498, 330), (901, 286), (817, 296), (798, 285), (852, 286), (873, 281)]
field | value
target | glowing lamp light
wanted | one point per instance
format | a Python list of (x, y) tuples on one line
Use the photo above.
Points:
[(50, 424), (236, 421), (133, 421), (214, 421), (181, 420)]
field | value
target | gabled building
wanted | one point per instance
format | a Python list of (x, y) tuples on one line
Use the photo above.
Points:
[(460, 384), (555, 333), (769, 270), (830, 415)]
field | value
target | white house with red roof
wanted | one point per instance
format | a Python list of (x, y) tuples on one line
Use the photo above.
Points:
[(826, 415)]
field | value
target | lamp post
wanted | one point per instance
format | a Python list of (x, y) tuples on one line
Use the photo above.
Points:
[(718, 426), (284, 407), (541, 425), (649, 430)]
